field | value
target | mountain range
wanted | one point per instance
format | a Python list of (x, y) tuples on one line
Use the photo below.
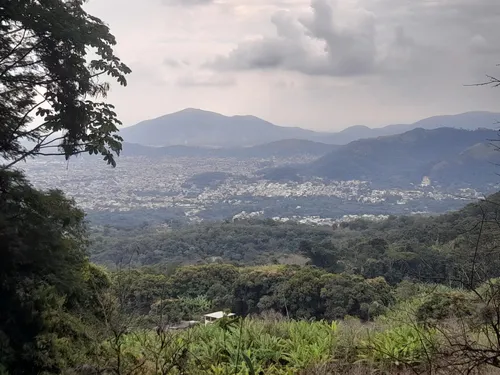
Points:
[(447, 156), (467, 120), (450, 150), (198, 128)]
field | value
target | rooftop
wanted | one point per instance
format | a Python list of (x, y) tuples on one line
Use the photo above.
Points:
[(218, 315)]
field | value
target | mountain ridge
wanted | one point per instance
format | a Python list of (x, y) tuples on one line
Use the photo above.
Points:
[(400, 158), (281, 148), (447, 156), (209, 129), (195, 127)]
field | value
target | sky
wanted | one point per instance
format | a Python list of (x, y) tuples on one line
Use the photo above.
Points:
[(317, 64)]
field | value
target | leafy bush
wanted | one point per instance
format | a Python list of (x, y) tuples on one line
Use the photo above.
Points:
[(406, 344)]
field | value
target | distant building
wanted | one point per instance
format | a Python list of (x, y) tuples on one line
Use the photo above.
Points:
[(213, 317), (426, 181)]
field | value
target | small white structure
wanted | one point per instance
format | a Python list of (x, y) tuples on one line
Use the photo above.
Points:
[(426, 181), (212, 317)]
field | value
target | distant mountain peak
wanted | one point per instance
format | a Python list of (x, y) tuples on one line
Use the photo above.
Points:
[(190, 109), (197, 127), (194, 111)]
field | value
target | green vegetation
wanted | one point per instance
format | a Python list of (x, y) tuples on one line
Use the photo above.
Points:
[(50, 104), (407, 294), (425, 249), (402, 159), (410, 293), (244, 243), (404, 337), (46, 77), (292, 291)]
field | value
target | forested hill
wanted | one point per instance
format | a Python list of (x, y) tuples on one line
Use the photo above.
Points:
[(406, 158), (448, 156), (399, 247)]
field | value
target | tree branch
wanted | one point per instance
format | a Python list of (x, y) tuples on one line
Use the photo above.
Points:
[(21, 122), (13, 48), (2, 74)]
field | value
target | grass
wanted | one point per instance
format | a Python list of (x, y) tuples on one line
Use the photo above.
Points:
[(278, 347), (395, 343)]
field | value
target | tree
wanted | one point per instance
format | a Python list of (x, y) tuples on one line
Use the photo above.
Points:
[(42, 273), (50, 85), (321, 255), (300, 295), (214, 281), (53, 56), (352, 295)]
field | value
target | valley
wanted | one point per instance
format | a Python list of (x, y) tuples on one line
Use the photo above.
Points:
[(424, 170), (140, 238), (193, 189)]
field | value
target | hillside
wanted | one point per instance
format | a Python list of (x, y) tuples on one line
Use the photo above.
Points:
[(368, 288), (444, 154), (194, 127), (477, 163), (350, 245), (288, 147), (282, 148)]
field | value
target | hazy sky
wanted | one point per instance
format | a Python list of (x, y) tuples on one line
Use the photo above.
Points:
[(320, 64)]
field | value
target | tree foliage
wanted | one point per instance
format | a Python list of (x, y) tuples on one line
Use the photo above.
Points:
[(53, 56), (440, 249), (292, 291), (42, 273)]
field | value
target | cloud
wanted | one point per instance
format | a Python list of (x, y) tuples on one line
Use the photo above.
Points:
[(312, 63), (173, 63), (206, 80), (145, 74), (320, 43), (483, 45), (186, 2), (358, 38)]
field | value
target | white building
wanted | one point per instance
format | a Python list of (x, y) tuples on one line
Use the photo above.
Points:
[(212, 317)]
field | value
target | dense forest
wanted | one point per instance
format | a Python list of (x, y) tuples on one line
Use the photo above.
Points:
[(400, 296), (420, 248)]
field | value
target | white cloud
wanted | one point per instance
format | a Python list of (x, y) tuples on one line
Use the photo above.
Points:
[(316, 44)]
